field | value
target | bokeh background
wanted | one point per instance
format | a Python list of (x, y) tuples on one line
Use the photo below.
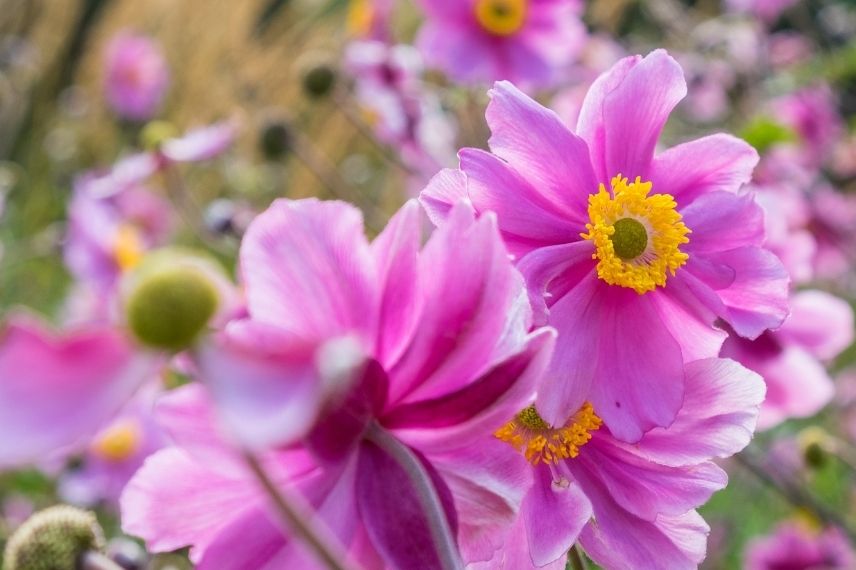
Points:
[(249, 61)]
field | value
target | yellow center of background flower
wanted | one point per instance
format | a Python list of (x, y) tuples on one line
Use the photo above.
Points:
[(501, 17), (128, 247), (361, 15), (637, 237), (540, 442), (119, 441)]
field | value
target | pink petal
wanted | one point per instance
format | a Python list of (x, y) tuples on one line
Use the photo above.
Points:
[(620, 540), (721, 221), (475, 312), (444, 190), (201, 144), (527, 218), (396, 254), (625, 110), (55, 391), (383, 487), (639, 381), (689, 322), (175, 501), (715, 163), (819, 322), (537, 145), (554, 516), (717, 419), (307, 268)]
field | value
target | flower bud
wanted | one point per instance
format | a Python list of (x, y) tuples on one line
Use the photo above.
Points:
[(169, 299), (319, 77), (275, 140), (53, 539), (814, 447)]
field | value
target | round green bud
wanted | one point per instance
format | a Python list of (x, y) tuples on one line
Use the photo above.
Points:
[(53, 539), (813, 444), (276, 139), (169, 302), (319, 79), (630, 238), (155, 133)]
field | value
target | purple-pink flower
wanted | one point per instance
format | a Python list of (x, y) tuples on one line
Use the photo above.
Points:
[(346, 343), (630, 506), (529, 42), (632, 256), (792, 358), (795, 546), (136, 76)]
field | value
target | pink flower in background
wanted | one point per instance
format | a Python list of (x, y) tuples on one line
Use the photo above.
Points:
[(630, 506), (57, 391), (766, 10), (196, 145), (346, 339), (832, 221), (108, 235), (529, 42), (792, 358), (115, 453), (813, 115), (796, 547), (786, 216), (403, 112), (136, 76), (634, 277)]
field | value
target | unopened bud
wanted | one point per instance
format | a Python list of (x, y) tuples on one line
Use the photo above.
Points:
[(814, 447), (53, 539), (276, 139), (170, 298), (319, 77)]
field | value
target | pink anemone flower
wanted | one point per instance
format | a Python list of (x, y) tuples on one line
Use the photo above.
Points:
[(136, 76), (631, 256), (350, 343), (629, 506), (792, 358), (529, 42), (797, 547), (58, 390)]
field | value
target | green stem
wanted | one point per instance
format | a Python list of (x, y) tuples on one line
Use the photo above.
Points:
[(576, 559)]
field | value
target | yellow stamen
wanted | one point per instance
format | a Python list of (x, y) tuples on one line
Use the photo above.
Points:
[(119, 441), (128, 247), (501, 17), (540, 442), (361, 16), (637, 237)]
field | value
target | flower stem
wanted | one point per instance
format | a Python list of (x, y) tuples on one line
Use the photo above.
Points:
[(576, 559), (438, 524), (294, 517)]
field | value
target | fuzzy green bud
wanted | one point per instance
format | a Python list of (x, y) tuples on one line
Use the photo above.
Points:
[(169, 300), (814, 446), (318, 79), (53, 539)]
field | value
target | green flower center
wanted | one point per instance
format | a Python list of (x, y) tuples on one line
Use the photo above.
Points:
[(630, 238)]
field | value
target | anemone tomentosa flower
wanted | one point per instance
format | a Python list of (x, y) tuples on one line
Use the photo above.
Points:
[(631, 256), (629, 506), (346, 340), (529, 42)]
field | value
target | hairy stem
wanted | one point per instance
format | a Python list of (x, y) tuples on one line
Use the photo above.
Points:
[(441, 533)]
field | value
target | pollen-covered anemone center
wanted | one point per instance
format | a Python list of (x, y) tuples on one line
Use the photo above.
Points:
[(501, 17), (637, 236), (542, 443)]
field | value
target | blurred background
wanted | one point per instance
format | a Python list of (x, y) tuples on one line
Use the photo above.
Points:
[(277, 73)]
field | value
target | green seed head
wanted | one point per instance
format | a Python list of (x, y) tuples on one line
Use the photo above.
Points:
[(170, 301), (53, 539), (630, 238), (319, 79)]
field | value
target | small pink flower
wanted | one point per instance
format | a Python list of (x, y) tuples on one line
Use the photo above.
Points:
[(813, 115), (631, 256), (136, 76), (796, 547), (792, 358), (630, 506), (529, 42)]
